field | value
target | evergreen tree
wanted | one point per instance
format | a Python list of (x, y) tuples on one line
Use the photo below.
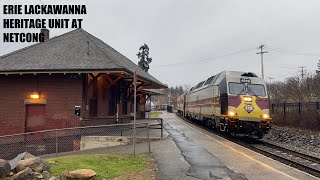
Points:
[(143, 55)]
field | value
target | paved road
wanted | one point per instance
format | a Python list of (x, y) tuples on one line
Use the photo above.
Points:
[(192, 153)]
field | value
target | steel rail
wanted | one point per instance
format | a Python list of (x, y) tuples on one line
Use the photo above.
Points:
[(284, 159), (295, 153)]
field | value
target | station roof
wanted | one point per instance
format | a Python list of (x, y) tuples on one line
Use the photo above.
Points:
[(153, 92), (76, 51)]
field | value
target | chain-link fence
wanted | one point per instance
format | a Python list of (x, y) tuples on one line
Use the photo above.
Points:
[(101, 139)]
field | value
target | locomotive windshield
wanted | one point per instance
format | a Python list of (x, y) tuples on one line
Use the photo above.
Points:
[(237, 88), (256, 89), (252, 89)]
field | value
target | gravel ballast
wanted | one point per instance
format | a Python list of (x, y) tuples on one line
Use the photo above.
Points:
[(304, 141)]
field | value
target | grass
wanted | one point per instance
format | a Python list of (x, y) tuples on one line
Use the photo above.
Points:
[(154, 114), (106, 166)]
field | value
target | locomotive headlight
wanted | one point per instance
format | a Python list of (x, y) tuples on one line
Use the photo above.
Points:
[(231, 113), (265, 116), (247, 99)]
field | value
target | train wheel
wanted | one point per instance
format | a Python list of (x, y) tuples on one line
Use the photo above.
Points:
[(214, 126), (222, 128), (209, 123), (204, 122), (228, 131)]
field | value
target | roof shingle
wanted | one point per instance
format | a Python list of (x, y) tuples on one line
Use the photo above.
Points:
[(69, 52)]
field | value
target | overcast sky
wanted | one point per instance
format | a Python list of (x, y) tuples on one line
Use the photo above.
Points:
[(191, 40)]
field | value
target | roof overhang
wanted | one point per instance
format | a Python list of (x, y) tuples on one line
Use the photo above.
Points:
[(152, 92), (147, 83)]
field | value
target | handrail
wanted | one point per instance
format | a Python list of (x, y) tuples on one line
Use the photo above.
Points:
[(73, 128), (105, 117)]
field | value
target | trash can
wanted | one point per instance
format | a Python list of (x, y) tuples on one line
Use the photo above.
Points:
[(170, 108)]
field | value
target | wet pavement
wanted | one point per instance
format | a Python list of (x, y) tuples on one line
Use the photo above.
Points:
[(189, 152), (203, 165)]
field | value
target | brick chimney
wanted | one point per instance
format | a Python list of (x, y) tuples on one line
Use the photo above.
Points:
[(45, 32)]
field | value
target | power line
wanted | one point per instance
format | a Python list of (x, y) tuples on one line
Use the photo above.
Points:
[(261, 55), (283, 75), (209, 58), (45, 4), (287, 51), (277, 61), (276, 65)]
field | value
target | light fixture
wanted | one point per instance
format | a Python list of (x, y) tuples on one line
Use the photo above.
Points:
[(265, 116), (35, 95), (231, 113), (247, 99), (138, 82)]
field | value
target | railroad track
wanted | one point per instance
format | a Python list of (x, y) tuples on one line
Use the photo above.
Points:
[(292, 158)]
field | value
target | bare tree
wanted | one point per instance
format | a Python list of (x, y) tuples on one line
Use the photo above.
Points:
[(296, 89), (186, 87)]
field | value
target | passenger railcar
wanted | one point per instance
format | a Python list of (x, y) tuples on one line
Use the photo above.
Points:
[(181, 104), (231, 101)]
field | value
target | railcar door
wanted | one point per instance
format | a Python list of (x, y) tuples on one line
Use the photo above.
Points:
[(216, 101), (223, 96)]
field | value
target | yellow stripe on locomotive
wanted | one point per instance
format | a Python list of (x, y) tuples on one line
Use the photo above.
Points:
[(248, 109)]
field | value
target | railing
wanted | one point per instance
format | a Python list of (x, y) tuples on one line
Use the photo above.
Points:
[(157, 126), (304, 115), (109, 138), (87, 121)]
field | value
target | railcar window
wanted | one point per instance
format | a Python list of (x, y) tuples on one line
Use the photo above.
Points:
[(209, 80), (256, 89), (199, 85), (237, 88)]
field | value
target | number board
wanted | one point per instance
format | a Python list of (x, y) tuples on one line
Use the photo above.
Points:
[(245, 80)]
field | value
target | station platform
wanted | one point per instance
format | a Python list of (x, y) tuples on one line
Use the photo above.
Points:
[(189, 152)]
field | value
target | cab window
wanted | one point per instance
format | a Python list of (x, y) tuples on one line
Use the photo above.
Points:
[(251, 89), (237, 88), (256, 89)]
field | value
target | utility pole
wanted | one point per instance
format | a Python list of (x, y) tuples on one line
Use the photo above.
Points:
[(302, 72), (261, 55), (270, 78)]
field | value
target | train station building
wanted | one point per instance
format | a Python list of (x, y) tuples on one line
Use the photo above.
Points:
[(71, 80)]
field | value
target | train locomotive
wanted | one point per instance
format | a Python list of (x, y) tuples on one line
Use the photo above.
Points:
[(232, 102)]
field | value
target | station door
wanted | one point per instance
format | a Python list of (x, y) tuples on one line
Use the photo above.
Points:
[(35, 117)]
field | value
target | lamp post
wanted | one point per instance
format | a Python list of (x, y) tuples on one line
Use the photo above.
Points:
[(134, 111)]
